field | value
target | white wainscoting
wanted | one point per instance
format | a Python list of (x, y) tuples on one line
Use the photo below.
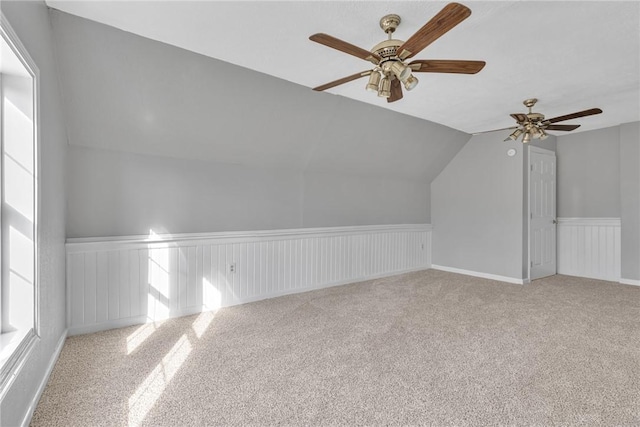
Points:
[(589, 247), (114, 282)]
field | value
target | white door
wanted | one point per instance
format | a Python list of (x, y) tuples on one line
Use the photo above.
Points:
[(542, 206)]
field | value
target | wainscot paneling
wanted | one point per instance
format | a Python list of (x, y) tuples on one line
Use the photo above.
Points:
[(589, 247), (114, 282)]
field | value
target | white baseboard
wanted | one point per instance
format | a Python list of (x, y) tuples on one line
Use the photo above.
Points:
[(110, 324), (45, 379), (630, 282), (480, 274)]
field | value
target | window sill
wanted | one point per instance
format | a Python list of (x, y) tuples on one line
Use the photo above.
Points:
[(15, 348)]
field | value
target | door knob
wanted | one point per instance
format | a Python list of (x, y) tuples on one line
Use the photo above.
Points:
[(555, 222)]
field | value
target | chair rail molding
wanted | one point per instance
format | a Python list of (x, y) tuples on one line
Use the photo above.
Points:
[(120, 281), (589, 247)]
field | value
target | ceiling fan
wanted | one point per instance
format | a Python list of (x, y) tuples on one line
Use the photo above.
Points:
[(533, 125), (390, 56)]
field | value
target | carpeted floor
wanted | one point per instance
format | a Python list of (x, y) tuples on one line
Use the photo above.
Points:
[(421, 348)]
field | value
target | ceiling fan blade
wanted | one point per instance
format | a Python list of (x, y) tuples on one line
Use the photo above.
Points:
[(520, 118), (396, 91), (450, 16), (574, 115), (341, 81), (446, 66), (562, 127), (494, 130), (345, 47)]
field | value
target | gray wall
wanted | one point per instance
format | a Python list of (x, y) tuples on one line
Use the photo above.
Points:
[(233, 141), (119, 193), (588, 177), (30, 20), (599, 176), (334, 200), (477, 208), (630, 199)]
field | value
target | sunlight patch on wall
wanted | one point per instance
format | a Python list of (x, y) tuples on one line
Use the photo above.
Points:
[(158, 295), (211, 297)]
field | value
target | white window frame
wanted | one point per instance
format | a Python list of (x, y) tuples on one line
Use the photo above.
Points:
[(19, 350)]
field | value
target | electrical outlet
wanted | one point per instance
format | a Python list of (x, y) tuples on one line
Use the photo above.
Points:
[(232, 267)]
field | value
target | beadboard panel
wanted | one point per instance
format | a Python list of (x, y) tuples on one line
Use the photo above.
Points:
[(131, 280), (589, 247)]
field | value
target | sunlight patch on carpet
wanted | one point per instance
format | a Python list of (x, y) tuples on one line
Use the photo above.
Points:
[(202, 322), (139, 336), (152, 388)]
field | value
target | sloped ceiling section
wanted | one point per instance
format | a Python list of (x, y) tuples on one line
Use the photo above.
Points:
[(570, 55), (125, 92)]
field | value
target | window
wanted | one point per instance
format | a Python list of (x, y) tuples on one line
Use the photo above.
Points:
[(18, 205)]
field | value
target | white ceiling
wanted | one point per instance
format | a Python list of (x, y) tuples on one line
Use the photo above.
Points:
[(570, 55)]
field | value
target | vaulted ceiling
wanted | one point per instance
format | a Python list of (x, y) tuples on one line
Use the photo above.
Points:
[(570, 55)]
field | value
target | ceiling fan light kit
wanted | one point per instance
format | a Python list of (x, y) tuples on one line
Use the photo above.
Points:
[(390, 56), (374, 82), (385, 87), (516, 133), (410, 83), (401, 71)]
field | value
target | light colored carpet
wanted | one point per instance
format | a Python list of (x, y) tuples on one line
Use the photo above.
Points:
[(421, 348)]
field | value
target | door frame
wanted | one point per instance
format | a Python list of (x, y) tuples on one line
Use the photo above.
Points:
[(539, 150)]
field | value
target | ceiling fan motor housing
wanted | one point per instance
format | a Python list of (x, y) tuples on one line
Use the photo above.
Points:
[(535, 117), (387, 49)]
